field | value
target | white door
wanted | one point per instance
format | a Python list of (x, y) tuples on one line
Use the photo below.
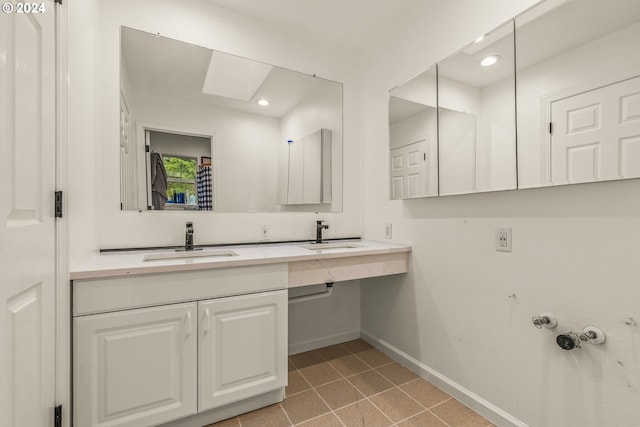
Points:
[(596, 134), (409, 171), (135, 367), (27, 227), (242, 347)]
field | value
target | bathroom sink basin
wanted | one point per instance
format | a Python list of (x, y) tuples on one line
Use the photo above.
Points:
[(189, 254), (322, 246)]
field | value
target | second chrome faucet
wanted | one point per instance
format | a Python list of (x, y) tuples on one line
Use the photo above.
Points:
[(319, 227)]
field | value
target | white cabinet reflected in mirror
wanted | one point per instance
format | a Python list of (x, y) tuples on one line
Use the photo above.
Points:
[(578, 91), (477, 127), (172, 90), (309, 180), (413, 138)]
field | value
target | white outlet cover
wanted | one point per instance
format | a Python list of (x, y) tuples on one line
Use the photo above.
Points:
[(503, 239), (264, 233)]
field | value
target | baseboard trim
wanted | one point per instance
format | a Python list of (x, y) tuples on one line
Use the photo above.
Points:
[(465, 396), (302, 346)]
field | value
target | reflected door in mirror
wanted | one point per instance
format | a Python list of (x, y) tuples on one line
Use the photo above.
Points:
[(578, 92)]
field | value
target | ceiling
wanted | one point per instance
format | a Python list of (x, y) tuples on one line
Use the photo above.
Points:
[(163, 67), (352, 23)]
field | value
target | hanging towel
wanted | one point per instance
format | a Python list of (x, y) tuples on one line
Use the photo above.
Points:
[(158, 182), (205, 189)]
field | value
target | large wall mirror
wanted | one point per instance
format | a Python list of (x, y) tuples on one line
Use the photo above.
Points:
[(572, 75), (413, 137), (476, 113), (578, 91), (203, 130)]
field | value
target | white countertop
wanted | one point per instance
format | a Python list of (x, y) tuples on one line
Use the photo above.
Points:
[(117, 264)]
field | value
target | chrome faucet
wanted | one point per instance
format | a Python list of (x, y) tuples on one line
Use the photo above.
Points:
[(188, 240), (319, 227)]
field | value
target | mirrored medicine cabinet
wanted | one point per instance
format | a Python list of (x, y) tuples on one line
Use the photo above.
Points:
[(204, 130), (551, 97)]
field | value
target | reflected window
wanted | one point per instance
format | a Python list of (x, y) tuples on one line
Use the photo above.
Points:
[(181, 180)]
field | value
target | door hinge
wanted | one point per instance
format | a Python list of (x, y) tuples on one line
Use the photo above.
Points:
[(550, 127), (57, 416), (424, 156), (58, 205), (58, 1), (147, 148)]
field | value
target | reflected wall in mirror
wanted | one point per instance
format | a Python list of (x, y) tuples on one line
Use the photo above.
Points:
[(476, 118), (171, 88), (413, 137), (578, 91)]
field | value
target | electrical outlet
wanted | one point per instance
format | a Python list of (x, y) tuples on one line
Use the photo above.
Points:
[(503, 239), (264, 233), (388, 232)]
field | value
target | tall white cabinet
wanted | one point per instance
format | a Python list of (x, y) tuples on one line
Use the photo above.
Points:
[(144, 356)]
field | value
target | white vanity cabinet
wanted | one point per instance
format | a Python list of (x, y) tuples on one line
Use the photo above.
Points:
[(135, 367), (157, 348), (242, 347)]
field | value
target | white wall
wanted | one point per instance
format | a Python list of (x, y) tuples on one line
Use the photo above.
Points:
[(464, 310)]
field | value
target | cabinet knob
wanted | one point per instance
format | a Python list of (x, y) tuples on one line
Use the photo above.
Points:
[(188, 328), (206, 321)]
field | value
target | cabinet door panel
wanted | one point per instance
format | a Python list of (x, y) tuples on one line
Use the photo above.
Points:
[(135, 367), (242, 349)]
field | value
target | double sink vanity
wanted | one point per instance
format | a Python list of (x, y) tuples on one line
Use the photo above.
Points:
[(192, 337)]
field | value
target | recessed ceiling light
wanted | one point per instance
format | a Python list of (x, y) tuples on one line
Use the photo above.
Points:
[(479, 39), (489, 60), (263, 102)]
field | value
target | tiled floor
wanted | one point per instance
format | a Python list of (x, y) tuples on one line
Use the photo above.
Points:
[(354, 385)]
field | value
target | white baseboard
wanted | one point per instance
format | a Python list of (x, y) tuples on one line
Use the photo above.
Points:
[(302, 346), (465, 396)]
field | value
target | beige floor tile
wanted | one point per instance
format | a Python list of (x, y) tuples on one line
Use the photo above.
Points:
[(396, 373), (361, 414), (333, 352), (424, 419), (297, 383), (456, 414), (425, 393), (320, 374), (396, 405), (374, 358), (308, 358), (340, 393), (231, 422), (272, 416), (304, 406), (349, 365), (370, 383), (326, 420), (356, 346), (290, 365)]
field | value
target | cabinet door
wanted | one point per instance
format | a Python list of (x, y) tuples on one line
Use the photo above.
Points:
[(242, 349), (135, 367)]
